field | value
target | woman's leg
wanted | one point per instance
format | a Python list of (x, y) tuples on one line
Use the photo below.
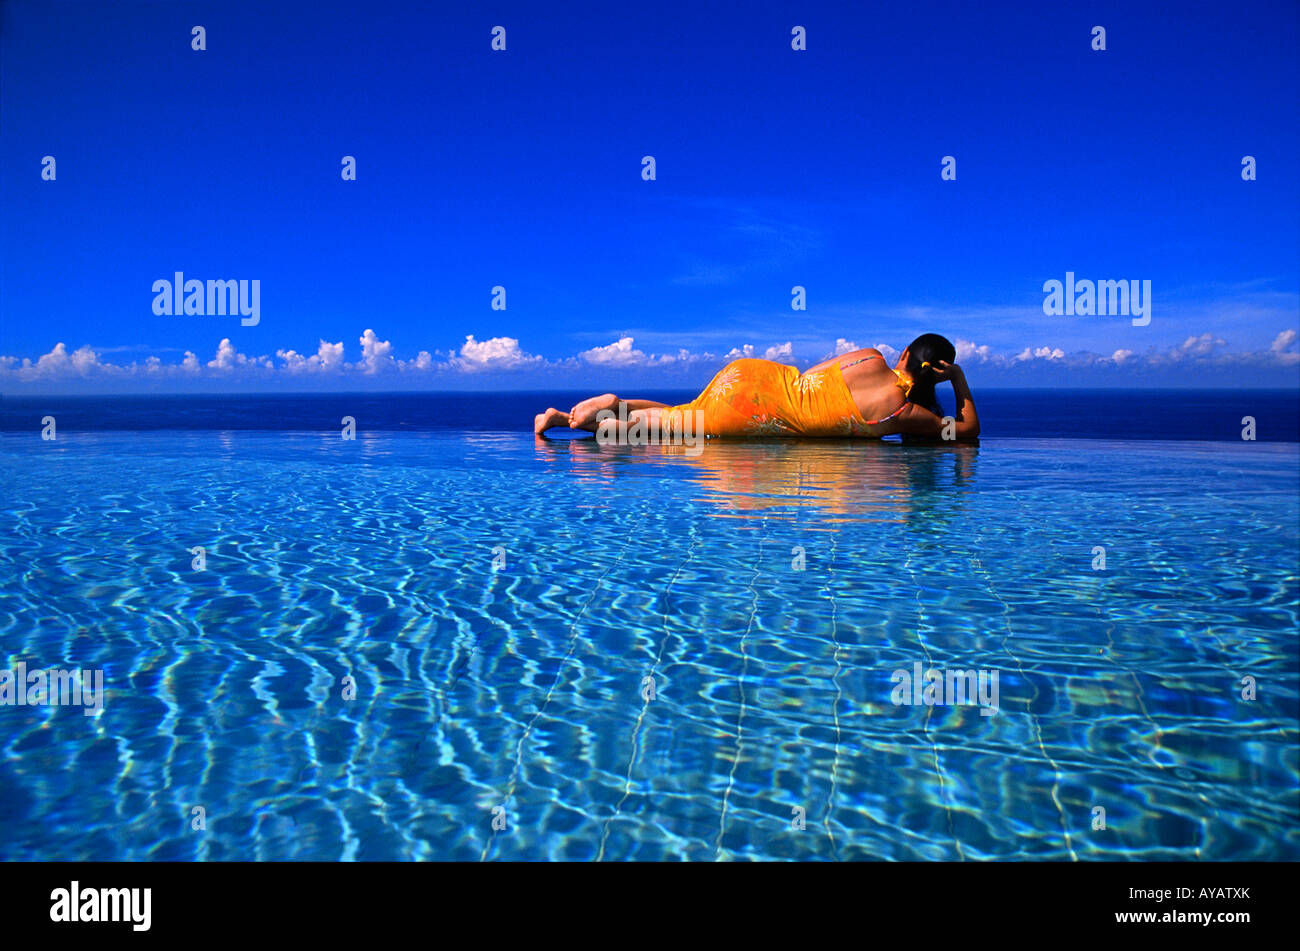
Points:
[(583, 416), (549, 420), (727, 384)]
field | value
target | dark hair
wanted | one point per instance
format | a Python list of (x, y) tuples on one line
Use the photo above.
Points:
[(927, 348)]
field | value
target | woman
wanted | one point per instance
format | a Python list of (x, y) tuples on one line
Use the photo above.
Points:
[(854, 394)]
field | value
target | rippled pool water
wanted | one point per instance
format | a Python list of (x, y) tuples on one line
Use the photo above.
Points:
[(638, 654)]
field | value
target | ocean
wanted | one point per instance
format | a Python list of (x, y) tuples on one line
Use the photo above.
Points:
[(1213, 415)]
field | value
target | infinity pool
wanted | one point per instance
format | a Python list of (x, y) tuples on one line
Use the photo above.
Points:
[(565, 651)]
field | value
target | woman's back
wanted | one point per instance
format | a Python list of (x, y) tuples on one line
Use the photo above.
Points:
[(873, 384)]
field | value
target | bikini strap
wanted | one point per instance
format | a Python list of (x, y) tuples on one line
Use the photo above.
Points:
[(885, 419), (870, 356)]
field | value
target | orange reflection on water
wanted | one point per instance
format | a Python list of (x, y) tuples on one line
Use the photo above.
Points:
[(842, 480)]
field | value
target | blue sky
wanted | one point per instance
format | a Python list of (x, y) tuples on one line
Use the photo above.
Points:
[(522, 169)]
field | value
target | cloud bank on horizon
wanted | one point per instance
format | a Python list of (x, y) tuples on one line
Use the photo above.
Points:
[(503, 360)]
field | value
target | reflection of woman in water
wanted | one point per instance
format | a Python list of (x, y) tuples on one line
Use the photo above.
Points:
[(833, 480), (854, 394)]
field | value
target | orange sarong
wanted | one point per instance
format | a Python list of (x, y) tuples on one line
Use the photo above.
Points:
[(750, 397)]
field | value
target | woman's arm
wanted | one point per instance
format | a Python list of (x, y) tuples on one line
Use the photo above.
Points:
[(919, 421), (968, 421)]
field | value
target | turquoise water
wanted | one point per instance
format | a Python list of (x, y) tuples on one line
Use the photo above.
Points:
[(767, 590)]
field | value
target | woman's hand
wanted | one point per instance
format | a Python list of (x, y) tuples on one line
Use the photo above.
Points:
[(945, 371)]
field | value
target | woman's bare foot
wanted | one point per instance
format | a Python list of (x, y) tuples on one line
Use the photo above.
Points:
[(552, 417), (584, 414)]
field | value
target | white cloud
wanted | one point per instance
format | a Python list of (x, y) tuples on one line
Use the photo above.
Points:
[(52, 362), (376, 354), (623, 353), (498, 353), (1203, 346), (228, 358), (1119, 356), (1282, 343), (84, 360), (968, 351), (1281, 350), (1043, 353), (780, 353), (843, 346), (327, 358), (685, 357), (620, 353), (58, 363)]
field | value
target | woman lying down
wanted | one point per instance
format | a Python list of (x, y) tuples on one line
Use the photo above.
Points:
[(853, 395)]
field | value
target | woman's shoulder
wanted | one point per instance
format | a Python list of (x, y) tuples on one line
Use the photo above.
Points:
[(853, 357), (861, 351)]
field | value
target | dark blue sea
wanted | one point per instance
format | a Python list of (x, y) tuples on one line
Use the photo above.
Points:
[(1214, 415)]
